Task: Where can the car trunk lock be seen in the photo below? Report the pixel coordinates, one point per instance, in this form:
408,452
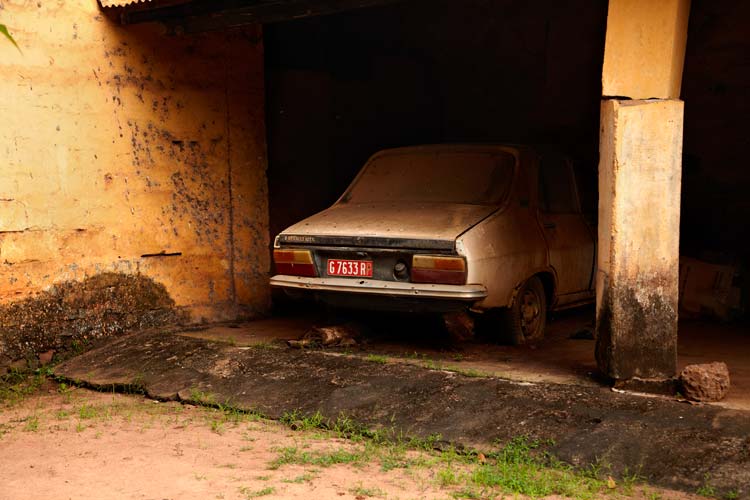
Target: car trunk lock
400,271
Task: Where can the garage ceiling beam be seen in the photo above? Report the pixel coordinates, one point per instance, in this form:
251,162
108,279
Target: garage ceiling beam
202,15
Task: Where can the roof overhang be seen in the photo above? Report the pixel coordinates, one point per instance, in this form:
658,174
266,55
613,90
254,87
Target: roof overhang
191,16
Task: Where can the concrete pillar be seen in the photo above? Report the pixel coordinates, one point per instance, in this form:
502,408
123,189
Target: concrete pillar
640,169
644,49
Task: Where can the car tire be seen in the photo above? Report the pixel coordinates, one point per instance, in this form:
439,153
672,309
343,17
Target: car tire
525,320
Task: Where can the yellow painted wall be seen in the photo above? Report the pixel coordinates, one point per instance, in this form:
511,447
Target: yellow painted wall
118,142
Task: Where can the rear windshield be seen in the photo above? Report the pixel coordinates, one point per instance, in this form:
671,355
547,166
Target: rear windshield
435,177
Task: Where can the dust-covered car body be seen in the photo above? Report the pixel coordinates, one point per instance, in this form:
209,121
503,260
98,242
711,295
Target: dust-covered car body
443,228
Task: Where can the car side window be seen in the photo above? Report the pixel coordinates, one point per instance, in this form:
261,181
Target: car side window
556,190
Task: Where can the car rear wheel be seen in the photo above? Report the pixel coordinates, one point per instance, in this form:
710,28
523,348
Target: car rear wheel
524,321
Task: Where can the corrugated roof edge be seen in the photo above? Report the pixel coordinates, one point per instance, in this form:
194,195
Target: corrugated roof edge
120,3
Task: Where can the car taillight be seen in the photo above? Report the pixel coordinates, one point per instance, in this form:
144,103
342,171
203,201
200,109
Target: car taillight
294,262
438,269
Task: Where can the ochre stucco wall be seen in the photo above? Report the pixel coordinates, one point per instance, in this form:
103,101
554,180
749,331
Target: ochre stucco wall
122,142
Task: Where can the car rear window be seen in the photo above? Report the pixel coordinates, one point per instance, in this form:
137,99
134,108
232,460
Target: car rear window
435,177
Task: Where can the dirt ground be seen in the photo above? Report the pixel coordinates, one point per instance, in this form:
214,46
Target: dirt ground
72,443
671,443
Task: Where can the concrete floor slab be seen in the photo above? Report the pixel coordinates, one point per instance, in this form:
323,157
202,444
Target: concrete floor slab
562,358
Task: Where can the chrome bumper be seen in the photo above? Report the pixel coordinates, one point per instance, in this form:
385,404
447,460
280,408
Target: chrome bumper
468,293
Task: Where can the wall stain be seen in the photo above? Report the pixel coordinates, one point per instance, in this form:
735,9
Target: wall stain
636,333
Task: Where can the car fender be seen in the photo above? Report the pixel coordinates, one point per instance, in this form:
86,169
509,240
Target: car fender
549,281
502,252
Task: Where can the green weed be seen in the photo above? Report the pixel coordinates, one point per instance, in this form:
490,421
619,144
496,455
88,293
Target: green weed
706,490
376,358
86,412
32,424
307,477
360,490
292,455
17,385
248,493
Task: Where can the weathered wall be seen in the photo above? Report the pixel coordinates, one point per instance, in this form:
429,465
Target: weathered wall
120,144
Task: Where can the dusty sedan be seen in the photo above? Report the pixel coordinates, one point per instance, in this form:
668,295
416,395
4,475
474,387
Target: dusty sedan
448,228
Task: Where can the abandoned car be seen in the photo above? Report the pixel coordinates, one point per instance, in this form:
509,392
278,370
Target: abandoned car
447,228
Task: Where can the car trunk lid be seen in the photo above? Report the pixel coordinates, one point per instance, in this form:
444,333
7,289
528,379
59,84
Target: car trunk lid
384,225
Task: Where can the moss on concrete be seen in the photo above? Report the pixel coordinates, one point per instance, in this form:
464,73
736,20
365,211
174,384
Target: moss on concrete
74,315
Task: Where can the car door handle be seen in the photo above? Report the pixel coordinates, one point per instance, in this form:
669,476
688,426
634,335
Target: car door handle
550,225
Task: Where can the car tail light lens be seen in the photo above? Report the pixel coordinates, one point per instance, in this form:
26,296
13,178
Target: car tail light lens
438,269
294,262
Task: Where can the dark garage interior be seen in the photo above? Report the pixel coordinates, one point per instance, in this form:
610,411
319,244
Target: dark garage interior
343,86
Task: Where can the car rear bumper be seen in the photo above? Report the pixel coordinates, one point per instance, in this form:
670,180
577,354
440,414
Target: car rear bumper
383,295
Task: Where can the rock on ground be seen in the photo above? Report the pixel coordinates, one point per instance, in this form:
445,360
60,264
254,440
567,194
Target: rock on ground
705,382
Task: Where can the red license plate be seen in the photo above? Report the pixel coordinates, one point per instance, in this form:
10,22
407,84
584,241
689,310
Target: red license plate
356,268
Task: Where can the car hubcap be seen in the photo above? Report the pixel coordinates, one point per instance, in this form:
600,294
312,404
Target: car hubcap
530,313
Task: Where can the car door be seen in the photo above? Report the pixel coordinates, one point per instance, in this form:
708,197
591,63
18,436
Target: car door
569,238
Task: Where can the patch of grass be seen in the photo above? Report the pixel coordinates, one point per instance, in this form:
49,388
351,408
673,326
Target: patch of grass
86,412
298,422
706,490
431,364
467,492
17,385
307,477
466,372
522,467
248,493
376,358
32,424
360,490
630,479
217,426
448,477
653,495
292,455
201,397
